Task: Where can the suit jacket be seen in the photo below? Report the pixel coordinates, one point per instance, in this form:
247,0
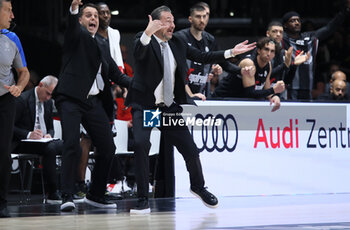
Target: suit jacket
148,69
82,56
25,116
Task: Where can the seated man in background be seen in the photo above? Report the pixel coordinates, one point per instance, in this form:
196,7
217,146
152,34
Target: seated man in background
256,73
34,121
254,81
337,92
337,75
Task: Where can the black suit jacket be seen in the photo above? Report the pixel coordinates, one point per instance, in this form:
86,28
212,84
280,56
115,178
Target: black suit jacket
82,56
148,69
25,116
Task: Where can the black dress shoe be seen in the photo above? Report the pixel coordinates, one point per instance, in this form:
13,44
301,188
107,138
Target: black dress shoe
207,198
99,202
54,198
142,206
67,203
4,212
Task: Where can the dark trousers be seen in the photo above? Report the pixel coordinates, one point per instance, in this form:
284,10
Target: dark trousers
7,119
179,137
48,151
96,123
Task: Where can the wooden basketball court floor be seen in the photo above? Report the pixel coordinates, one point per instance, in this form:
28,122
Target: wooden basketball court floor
307,211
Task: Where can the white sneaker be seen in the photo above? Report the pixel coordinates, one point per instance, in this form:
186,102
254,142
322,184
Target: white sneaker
67,206
115,188
67,203
150,188
126,188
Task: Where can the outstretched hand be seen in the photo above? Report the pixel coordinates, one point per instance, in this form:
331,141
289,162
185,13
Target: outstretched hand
153,26
301,58
243,47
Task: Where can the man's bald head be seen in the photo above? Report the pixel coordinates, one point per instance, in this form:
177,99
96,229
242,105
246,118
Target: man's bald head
338,75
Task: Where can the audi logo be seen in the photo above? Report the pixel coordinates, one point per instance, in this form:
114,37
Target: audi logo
220,138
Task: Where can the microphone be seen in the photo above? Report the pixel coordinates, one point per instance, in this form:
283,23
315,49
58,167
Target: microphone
12,26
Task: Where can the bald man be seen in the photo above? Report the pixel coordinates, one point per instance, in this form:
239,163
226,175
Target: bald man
338,88
340,75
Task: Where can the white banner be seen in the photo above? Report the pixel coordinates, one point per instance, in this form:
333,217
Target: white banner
303,148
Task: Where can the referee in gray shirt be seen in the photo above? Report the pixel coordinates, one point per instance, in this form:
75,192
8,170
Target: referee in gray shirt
11,56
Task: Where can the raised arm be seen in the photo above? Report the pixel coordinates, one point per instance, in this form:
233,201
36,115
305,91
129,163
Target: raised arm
142,40
326,31
75,4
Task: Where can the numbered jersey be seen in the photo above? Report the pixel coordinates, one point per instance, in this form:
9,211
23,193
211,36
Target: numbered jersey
260,75
307,42
198,72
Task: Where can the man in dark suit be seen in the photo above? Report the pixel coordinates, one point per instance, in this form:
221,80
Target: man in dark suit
34,121
146,92
81,94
